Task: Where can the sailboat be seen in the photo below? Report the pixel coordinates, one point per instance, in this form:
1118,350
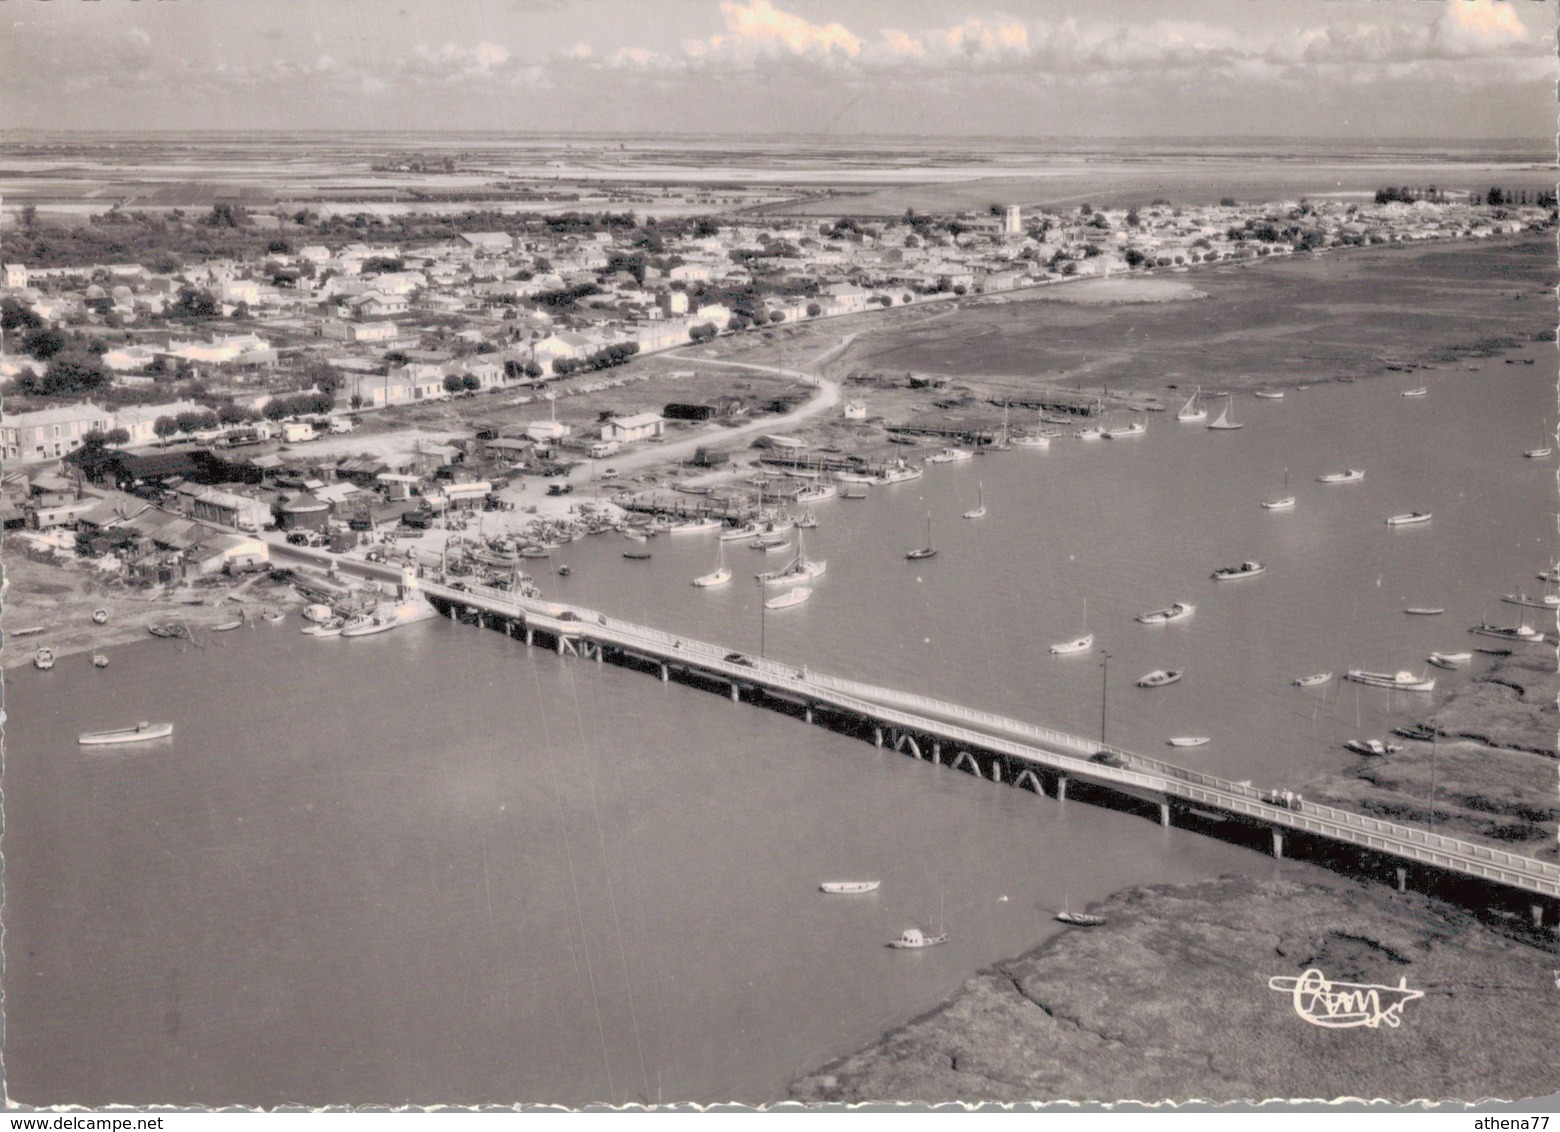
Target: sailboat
1082,644
1191,412
1037,439
1283,502
1223,421
979,512
1540,453
720,575
930,548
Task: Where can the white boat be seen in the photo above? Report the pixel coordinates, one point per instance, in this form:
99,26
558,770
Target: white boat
44,658
1177,612
1090,434
718,576
1189,741
848,887
929,549
900,474
1372,747
1034,440
807,520
1284,502
1244,570
1191,412
913,938
787,600
140,733
856,477
1538,453
1548,601
1410,517
1515,633
950,456
1080,919
1136,428
1159,677
1313,680
1401,681
274,616
695,527
331,628
1420,392
1352,475
1450,659
366,625
317,613
1223,421
99,660
100,617
1425,610
228,626
752,530
1082,644
817,493
770,544
1270,394
1551,575
980,511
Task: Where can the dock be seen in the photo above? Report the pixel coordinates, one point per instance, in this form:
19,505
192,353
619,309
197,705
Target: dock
1032,757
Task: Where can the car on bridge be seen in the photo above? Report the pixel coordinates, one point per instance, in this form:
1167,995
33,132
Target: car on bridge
738,658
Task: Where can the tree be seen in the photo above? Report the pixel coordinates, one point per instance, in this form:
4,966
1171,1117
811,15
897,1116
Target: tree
279,246
777,316
44,343
533,370
356,401
451,383
165,427
224,215
117,436
1135,258
813,310
71,374
1133,220
194,303
470,382
29,217
1495,197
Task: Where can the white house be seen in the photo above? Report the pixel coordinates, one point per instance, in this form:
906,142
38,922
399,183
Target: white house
640,426
48,433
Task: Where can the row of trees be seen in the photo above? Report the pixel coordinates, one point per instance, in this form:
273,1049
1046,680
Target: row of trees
604,358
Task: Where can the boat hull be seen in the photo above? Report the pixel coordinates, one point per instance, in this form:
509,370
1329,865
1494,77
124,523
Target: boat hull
140,734
848,887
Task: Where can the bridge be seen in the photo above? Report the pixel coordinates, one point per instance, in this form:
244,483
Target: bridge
1027,755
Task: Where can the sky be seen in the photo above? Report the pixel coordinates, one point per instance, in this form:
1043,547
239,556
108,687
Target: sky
1022,68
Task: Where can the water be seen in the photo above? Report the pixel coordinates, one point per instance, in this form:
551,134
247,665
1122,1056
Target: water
438,866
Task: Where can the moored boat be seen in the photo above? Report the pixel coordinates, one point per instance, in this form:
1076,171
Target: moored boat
1420,392
1223,421
1189,741
99,660
1313,680
1190,412
1080,919
331,628
718,576
44,658
1136,428
929,549
1349,475
1244,570
1177,612
274,616
950,456
1511,633
1408,518
1538,453
1371,747
140,733
913,938
1283,503
1548,601
100,617
787,600
979,511
1094,433
368,625
1032,440
637,555
1269,394
229,626
695,526
848,887
1425,610
1082,644
1159,677
1403,681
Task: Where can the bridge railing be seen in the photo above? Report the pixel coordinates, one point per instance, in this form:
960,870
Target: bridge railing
874,702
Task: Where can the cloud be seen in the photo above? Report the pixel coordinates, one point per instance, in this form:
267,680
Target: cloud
1478,27
490,55
974,37
758,27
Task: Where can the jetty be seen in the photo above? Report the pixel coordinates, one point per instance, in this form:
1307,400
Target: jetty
1032,757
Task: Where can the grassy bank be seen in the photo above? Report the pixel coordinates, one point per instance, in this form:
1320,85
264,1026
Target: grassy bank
1171,1001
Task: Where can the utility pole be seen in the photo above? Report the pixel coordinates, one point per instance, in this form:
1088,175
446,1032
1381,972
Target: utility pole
762,620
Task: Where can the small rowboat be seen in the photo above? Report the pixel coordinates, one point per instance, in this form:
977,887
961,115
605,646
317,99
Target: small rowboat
1283,504
1410,517
138,734
227,625
1244,570
1189,741
637,555
1313,681
1353,475
1177,612
848,887
1270,394
100,617
1423,611
1158,678
99,660
1080,919
1082,644
1538,453
1450,659
1420,392
274,616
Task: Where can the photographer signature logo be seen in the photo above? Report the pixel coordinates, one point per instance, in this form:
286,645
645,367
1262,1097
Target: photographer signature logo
1342,1006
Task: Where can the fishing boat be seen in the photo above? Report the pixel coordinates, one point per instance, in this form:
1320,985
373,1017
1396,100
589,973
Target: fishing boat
751,530
979,511
331,628
929,549
807,521
787,600
695,527
1548,601
1080,919
849,887
1191,412
716,577
1033,440
853,493
1082,644
1244,570
1159,677
1450,659
1425,610
1420,392
637,555
1551,575
817,493
800,569
848,476
1410,517
1371,747
100,617
770,544
1350,475
1514,633
1269,394
1136,428
1223,421
1313,680
99,660
1401,681
316,612
1177,612
368,625
913,938
1093,433
533,550
44,658
1189,741
951,456
900,474
1284,502
140,733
